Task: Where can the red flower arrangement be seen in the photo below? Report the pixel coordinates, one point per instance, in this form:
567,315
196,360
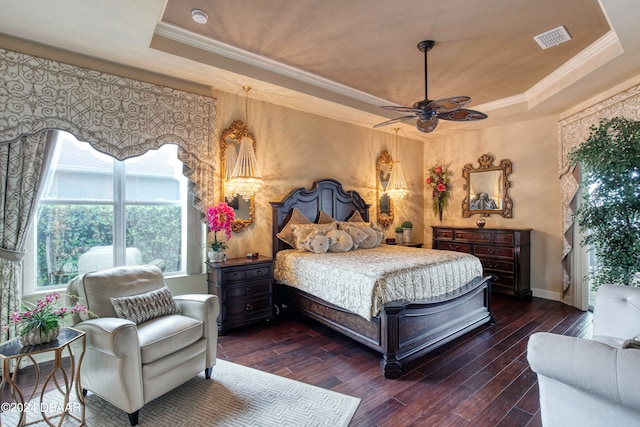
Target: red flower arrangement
220,218
438,179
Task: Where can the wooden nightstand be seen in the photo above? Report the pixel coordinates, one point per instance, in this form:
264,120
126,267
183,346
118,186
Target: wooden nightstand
244,287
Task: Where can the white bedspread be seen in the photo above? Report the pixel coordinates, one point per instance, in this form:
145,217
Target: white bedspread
363,280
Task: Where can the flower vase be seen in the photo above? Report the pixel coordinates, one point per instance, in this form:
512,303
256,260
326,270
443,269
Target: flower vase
36,336
406,234
216,256
399,237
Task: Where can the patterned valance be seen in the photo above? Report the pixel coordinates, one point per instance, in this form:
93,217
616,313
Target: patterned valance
118,116
572,131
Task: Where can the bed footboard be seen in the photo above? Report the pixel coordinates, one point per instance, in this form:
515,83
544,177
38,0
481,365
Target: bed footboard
403,331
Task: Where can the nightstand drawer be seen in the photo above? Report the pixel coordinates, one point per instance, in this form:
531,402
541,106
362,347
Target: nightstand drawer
260,272
496,251
247,307
248,289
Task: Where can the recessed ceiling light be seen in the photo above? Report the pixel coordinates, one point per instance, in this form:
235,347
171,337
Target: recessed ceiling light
552,37
199,16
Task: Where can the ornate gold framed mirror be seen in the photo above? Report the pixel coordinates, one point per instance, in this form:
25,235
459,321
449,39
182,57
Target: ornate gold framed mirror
229,148
487,188
385,203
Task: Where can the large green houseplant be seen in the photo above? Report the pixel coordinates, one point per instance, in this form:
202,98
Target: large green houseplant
609,215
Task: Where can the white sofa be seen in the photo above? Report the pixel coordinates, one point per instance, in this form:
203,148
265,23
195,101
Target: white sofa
592,382
132,360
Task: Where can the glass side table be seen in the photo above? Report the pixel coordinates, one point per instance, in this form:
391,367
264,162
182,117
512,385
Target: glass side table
64,381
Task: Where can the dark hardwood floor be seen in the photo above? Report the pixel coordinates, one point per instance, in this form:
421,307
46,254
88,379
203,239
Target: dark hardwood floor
480,379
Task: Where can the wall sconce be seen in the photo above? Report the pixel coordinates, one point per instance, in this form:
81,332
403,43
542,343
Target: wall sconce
245,179
397,187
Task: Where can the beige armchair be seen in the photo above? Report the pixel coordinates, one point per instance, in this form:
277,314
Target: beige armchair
592,382
144,342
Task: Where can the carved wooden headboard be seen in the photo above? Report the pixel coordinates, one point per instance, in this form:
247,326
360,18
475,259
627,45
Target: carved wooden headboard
324,195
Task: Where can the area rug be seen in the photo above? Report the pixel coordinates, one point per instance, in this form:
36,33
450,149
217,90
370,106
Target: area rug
234,396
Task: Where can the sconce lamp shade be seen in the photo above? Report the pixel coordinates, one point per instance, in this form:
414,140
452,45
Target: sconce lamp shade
245,180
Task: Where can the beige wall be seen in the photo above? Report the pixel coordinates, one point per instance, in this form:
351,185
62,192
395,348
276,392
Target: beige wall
535,190
294,149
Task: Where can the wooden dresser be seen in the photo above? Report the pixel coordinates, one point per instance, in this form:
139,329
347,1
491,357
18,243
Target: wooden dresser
504,253
245,289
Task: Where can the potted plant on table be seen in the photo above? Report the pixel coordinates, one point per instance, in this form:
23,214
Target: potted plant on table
39,323
399,235
220,218
407,229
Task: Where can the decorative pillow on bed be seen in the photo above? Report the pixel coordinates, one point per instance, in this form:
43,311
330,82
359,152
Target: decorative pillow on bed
304,232
355,217
286,234
325,218
374,235
357,235
341,241
142,307
318,244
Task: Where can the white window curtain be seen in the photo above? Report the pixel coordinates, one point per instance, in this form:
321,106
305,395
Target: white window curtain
117,116
572,131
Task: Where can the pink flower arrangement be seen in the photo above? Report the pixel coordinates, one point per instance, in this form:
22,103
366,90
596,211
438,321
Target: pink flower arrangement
44,316
220,218
438,179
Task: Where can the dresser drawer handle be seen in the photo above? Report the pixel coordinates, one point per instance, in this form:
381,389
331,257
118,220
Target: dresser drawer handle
258,272
249,307
454,247
247,291
235,275
494,265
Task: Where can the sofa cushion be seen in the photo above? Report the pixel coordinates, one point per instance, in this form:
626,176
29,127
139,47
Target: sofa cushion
162,336
142,307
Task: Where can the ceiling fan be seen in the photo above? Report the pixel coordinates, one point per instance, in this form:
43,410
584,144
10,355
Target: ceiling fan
429,112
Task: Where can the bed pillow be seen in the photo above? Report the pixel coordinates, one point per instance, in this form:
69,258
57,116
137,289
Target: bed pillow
286,234
142,307
355,217
325,218
374,234
357,235
317,244
341,241
303,232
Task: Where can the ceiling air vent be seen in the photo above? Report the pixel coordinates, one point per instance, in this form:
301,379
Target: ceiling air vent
552,37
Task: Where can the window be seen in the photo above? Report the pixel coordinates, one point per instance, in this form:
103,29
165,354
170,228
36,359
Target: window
96,212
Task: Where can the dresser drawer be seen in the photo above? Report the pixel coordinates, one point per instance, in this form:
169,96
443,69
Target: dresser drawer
497,265
497,251
458,247
504,238
502,280
444,234
247,289
244,308
473,236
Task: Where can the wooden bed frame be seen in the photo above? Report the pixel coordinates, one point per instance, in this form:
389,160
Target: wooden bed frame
404,330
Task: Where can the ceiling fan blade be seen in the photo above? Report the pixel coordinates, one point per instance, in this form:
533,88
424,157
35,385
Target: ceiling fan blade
463,115
427,126
446,105
396,120
402,109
